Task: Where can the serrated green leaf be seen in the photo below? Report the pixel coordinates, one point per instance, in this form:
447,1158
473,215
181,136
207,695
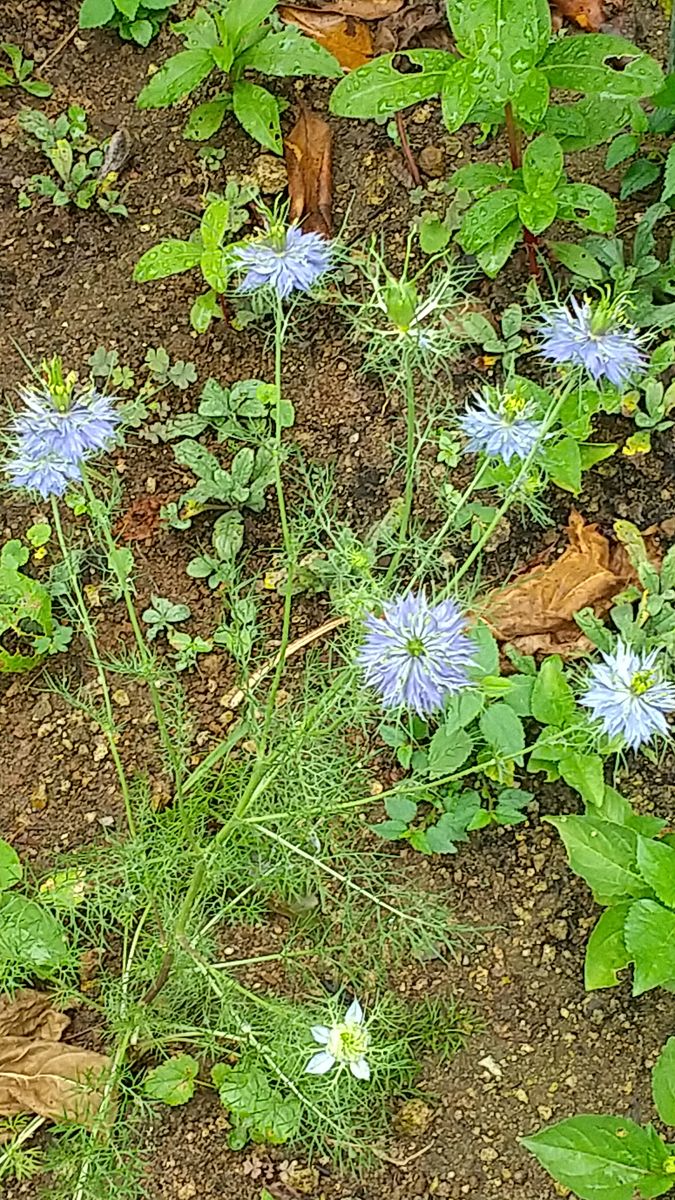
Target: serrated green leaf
640,175
30,937
173,1081
399,808
552,697
656,863
584,773
391,831
448,751
94,13
503,730
606,951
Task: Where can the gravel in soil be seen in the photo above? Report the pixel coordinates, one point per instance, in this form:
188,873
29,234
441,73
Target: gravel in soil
546,1049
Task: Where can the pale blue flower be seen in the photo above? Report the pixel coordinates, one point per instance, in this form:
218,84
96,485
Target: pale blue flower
501,426
75,429
595,338
416,655
629,696
47,474
291,262
346,1044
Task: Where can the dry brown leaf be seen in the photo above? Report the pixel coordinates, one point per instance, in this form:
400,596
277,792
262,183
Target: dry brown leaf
141,520
309,162
369,10
51,1079
536,612
347,38
30,1014
587,14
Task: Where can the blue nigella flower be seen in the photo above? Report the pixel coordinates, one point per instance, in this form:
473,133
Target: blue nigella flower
594,338
416,654
79,428
628,695
47,474
290,262
501,427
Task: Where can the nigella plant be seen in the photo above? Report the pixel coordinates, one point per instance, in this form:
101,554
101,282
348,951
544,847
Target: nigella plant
283,259
59,429
628,694
501,426
595,337
416,654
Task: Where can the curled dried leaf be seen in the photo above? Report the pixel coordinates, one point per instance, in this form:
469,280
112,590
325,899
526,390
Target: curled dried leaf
535,613
309,162
52,1079
347,38
29,1013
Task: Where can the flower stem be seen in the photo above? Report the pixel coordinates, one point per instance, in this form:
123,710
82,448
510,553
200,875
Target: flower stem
108,726
516,155
146,658
434,544
409,392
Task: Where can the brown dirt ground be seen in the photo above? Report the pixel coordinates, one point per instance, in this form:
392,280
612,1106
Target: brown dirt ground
547,1049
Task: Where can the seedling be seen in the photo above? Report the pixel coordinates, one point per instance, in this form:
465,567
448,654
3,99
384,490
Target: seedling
20,73
134,20
78,159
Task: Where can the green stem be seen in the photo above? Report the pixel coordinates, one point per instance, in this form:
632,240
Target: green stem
146,658
436,541
109,726
409,392
508,501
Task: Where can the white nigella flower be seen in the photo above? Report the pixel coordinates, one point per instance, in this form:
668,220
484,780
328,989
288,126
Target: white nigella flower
345,1045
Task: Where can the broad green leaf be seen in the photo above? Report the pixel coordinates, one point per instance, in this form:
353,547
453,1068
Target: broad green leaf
575,199
605,855
199,32
141,31
542,165
603,1158
491,258
591,121
11,871
486,656
479,175
167,258
584,773
228,536
173,1081
289,52
503,730
562,461
207,118
459,95
391,831
537,212
650,939
663,1083
595,452
434,234
128,8
531,100
30,936
378,89
400,808
448,751
582,64
487,218
552,697
95,13
178,77
669,175
37,88
502,43
265,1112
606,951
214,224
257,110
204,310
656,863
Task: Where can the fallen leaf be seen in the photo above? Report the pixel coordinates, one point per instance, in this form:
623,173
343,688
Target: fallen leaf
51,1079
536,612
30,1014
141,520
38,1073
309,161
587,14
369,10
347,38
